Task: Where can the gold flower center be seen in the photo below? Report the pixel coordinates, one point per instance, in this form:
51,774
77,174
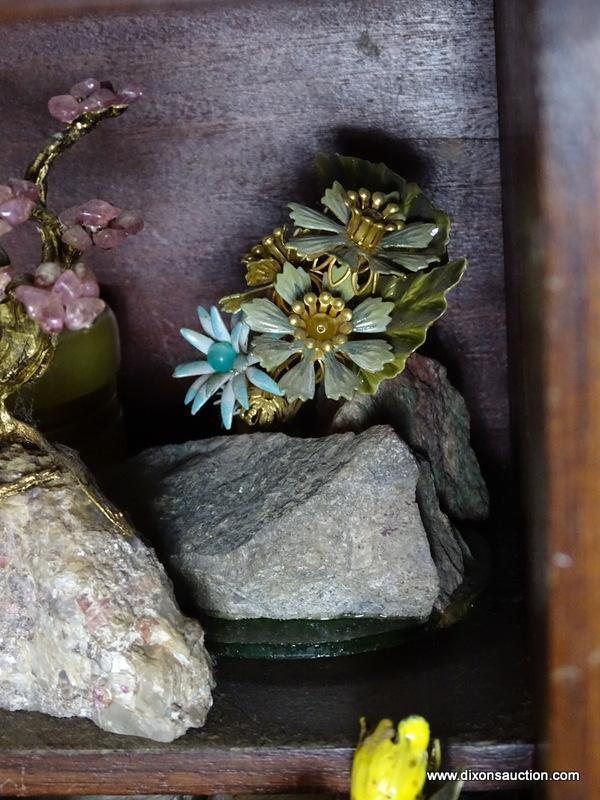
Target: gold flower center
366,233
321,327
371,218
321,323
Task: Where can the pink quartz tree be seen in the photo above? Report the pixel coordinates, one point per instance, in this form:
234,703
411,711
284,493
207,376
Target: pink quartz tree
63,292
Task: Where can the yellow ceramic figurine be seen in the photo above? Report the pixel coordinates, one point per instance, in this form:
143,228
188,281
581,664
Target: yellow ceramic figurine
390,764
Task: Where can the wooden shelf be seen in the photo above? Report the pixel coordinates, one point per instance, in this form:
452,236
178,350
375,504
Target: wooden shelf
288,726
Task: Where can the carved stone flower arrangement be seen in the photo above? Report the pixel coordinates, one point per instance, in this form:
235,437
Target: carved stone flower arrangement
337,298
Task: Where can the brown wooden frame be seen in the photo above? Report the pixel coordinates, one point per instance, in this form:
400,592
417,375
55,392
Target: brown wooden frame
549,74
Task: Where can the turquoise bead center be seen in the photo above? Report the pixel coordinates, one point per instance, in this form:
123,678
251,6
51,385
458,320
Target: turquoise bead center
221,356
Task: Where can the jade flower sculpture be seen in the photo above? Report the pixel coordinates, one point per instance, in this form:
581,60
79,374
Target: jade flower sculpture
363,228
227,368
339,298
319,332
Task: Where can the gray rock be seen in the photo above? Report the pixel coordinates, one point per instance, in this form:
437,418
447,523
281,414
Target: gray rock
88,622
448,548
432,417
265,525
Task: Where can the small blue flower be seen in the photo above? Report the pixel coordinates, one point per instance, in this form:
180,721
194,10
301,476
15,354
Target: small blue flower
227,368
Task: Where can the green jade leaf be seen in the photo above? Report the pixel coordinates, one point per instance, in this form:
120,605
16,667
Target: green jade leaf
419,300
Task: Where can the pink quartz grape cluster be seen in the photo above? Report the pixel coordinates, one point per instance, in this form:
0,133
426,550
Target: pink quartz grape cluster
98,223
17,201
62,298
92,95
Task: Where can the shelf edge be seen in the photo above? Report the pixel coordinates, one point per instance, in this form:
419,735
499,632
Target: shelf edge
214,770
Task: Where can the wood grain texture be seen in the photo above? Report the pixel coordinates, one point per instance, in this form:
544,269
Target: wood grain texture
44,9
292,726
213,771
551,124
240,97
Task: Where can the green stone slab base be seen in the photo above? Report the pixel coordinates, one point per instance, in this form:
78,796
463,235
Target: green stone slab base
304,638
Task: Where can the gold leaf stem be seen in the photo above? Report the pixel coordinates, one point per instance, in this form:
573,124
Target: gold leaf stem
38,170
26,482
50,229
14,431
53,248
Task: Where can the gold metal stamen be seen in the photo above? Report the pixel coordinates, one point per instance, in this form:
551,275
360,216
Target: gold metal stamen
371,217
365,232
377,200
390,210
321,323
365,196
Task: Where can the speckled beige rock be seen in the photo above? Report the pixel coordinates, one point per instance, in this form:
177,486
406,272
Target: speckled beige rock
88,623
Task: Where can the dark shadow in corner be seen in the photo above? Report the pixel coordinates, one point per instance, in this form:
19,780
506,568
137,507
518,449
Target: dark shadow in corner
403,156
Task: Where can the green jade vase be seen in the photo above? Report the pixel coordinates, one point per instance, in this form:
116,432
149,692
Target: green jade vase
75,402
